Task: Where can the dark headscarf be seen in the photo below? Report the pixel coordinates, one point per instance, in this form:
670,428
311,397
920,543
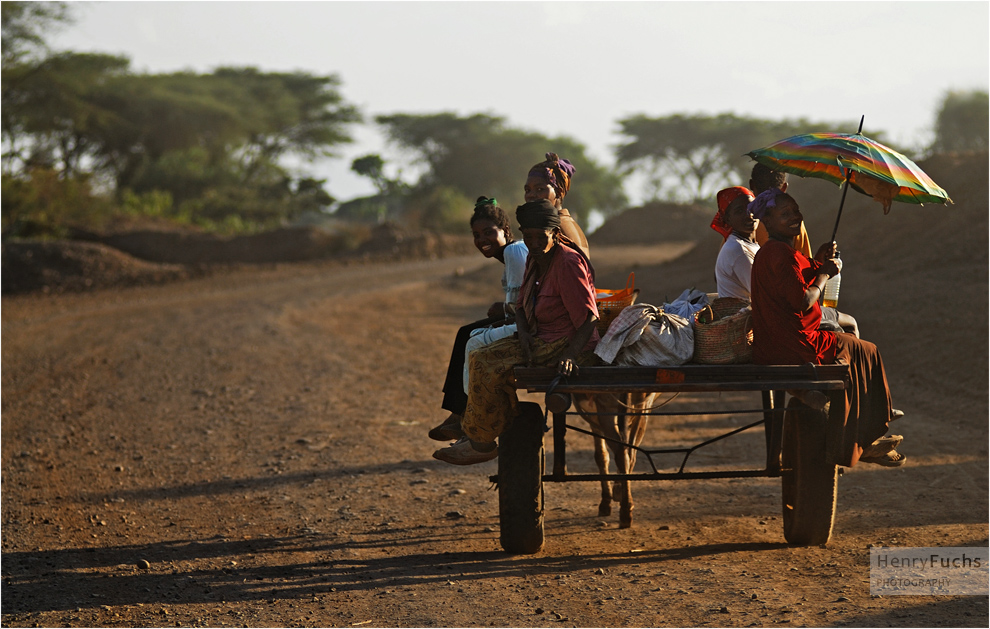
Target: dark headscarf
538,215
541,215
555,171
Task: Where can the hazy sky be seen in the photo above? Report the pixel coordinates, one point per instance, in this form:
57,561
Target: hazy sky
574,68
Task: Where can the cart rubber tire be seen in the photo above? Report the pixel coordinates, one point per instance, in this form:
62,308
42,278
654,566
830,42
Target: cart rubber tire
520,482
808,482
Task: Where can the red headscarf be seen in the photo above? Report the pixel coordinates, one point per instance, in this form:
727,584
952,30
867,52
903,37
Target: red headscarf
724,198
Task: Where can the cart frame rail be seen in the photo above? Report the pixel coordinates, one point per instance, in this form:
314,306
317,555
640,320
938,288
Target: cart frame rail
771,380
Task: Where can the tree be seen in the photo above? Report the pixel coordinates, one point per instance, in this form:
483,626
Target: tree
215,143
961,123
372,167
480,155
23,25
689,158
387,204
289,114
55,109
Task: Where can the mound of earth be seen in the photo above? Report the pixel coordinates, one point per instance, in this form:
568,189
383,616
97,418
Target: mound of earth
290,244
389,241
171,246
74,266
654,222
142,256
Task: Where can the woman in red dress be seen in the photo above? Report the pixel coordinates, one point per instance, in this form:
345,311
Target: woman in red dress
786,287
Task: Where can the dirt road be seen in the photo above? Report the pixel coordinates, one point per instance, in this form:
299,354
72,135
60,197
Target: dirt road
256,441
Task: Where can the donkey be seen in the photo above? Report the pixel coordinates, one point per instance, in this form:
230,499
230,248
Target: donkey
602,412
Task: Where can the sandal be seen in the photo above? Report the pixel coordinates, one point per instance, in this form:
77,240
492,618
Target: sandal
449,430
891,459
881,446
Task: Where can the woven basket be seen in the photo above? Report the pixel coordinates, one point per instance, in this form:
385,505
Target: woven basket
612,302
722,334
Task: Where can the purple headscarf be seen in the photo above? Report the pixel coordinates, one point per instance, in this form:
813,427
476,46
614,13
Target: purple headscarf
767,198
555,171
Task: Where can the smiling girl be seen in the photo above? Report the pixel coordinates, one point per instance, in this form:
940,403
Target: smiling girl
493,238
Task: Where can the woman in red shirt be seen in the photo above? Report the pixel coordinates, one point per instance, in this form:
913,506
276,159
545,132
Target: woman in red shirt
786,287
555,318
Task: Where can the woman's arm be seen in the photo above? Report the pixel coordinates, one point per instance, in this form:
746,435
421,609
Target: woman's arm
814,291
578,341
524,335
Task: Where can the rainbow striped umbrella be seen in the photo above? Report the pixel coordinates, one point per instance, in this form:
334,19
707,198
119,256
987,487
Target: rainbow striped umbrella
854,160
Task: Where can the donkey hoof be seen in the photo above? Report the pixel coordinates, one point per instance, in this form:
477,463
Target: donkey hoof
605,509
625,518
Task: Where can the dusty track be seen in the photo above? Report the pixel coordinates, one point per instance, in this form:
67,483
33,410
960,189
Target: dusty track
258,438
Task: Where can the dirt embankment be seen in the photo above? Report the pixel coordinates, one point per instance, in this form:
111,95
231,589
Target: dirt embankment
144,256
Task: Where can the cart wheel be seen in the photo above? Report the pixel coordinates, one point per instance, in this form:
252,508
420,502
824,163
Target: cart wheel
520,482
808,481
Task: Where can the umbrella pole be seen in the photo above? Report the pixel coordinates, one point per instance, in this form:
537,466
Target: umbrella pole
845,189
845,186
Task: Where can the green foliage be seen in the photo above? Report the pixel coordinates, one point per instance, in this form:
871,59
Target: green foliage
479,155
373,209
372,167
214,143
154,204
689,158
55,110
288,113
24,25
962,122
440,208
42,202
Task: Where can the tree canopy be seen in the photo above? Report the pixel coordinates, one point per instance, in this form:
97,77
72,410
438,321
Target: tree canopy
962,122
24,24
691,157
215,142
480,154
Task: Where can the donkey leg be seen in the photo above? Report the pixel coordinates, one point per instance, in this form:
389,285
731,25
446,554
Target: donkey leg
638,403
588,406
601,458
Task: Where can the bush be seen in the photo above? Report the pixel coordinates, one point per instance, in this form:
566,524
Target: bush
43,204
441,209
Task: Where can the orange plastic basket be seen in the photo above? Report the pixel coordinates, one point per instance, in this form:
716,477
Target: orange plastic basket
612,302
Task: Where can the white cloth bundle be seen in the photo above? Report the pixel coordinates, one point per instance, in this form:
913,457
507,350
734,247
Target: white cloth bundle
644,335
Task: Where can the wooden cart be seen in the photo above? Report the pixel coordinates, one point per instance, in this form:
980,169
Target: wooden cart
803,445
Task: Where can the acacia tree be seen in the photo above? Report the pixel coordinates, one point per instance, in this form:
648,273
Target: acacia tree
690,157
55,110
23,25
961,123
214,142
480,155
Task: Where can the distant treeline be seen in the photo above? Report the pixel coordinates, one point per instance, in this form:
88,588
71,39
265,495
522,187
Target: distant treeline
87,141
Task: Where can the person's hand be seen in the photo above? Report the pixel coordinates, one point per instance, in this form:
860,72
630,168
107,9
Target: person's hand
826,252
832,266
566,366
497,310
